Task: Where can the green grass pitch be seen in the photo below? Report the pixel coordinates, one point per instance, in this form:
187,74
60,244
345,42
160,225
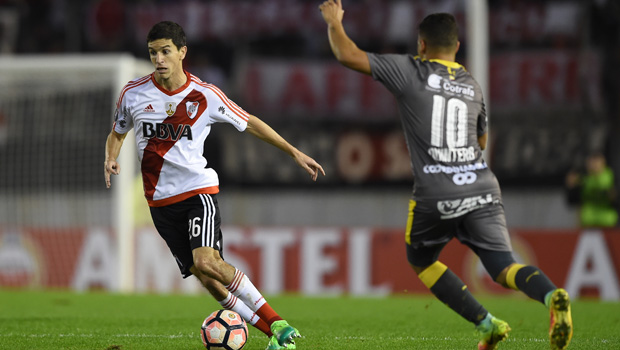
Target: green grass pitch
67,320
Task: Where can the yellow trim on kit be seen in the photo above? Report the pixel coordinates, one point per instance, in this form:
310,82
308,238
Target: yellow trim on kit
412,205
511,274
431,274
449,64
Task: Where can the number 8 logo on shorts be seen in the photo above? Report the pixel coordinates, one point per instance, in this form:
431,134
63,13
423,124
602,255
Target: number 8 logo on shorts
466,178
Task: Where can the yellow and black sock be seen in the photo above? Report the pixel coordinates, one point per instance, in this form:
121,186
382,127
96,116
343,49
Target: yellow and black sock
449,288
530,280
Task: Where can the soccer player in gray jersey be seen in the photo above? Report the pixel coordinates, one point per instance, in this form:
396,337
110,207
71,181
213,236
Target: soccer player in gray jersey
455,193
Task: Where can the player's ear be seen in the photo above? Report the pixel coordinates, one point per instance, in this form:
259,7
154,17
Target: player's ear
458,45
183,51
421,47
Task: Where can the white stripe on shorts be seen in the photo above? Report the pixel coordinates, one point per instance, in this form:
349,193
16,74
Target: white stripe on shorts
208,229
204,218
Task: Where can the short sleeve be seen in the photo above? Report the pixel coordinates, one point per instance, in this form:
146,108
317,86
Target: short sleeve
223,110
390,70
123,120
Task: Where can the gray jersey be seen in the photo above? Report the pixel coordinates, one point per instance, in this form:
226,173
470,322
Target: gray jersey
443,114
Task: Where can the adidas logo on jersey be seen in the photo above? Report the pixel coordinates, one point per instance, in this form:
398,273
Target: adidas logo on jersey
149,109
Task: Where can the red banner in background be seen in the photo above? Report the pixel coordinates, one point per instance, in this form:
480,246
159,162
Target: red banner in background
309,260
558,80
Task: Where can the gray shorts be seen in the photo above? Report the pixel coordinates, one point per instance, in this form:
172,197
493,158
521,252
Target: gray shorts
478,222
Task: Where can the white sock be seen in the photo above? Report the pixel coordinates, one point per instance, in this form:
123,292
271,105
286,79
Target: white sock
231,303
244,289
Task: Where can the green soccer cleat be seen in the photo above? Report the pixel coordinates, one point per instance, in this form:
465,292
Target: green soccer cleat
561,323
284,333
491,331
274,345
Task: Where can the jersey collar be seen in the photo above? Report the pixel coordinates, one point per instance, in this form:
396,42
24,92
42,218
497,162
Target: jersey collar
171,93
450,64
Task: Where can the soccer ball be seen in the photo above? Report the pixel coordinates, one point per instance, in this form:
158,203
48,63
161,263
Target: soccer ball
224,329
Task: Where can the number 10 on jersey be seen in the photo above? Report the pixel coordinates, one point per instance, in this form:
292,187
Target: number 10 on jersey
449,121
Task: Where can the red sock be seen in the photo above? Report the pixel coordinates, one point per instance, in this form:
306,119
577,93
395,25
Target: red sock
267,314
263,327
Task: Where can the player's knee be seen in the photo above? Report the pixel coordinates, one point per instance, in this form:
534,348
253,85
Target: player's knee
208,266
418,269
497,264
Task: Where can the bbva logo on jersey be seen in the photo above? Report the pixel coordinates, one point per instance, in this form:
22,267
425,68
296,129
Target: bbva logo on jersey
166,131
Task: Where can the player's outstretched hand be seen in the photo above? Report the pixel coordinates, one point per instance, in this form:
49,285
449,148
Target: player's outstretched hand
310,165
332,11
110,167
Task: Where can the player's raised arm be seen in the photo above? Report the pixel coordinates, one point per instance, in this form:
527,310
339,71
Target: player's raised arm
112,150
343,47
264,132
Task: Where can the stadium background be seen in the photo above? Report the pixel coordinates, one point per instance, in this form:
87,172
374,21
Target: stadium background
553,97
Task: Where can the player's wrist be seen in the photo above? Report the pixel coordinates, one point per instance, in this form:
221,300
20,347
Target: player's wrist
334,25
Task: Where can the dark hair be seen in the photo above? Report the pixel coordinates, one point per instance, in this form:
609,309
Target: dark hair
168,30
439,30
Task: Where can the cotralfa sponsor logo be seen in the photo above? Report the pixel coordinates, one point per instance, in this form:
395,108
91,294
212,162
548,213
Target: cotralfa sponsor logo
437,82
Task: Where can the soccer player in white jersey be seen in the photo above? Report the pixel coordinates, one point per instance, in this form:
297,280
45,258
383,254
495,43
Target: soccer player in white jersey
172,112
455,194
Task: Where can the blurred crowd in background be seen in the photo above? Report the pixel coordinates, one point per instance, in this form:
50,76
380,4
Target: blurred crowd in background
554,86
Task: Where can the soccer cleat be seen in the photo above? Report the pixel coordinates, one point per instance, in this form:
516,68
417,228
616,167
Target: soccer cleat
561,323
492,330
274,345
284,333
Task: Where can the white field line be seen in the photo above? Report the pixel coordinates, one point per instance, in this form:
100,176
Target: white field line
92,335
194,335
256,336
425,339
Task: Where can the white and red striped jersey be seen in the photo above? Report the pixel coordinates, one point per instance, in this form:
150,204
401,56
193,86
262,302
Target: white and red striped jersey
171,128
